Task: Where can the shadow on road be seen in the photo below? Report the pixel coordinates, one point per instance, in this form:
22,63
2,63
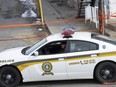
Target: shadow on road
58,83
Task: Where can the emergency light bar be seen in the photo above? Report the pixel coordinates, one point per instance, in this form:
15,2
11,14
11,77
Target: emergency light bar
68,31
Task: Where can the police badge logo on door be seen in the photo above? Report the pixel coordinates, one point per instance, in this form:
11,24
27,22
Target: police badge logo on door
47,68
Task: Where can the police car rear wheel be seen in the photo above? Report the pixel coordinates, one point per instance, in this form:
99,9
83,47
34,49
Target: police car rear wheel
9,77
106,72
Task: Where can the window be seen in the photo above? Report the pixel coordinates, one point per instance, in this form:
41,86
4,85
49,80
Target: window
53,48
104,38
32,48
77,46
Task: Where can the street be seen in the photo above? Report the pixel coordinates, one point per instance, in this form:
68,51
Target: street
11,37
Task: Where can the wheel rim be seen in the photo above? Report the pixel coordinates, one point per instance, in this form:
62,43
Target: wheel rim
8,77
108,73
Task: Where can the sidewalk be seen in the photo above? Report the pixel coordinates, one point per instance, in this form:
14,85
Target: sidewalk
112,24
111,28
53,12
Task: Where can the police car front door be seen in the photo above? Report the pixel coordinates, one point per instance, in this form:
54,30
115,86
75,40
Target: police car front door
47,67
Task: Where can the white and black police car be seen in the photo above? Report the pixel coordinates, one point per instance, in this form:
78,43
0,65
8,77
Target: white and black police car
63,56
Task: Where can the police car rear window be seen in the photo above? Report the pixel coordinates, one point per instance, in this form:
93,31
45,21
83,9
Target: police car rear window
104,38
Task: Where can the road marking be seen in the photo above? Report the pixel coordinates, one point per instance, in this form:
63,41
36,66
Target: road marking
27,34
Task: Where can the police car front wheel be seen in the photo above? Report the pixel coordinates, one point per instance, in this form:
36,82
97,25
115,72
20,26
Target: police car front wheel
106,72
9,77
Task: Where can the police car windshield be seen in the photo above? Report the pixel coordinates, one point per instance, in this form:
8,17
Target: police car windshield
34,47
104,38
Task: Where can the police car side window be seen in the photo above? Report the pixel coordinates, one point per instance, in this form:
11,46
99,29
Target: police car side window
78,46
53,48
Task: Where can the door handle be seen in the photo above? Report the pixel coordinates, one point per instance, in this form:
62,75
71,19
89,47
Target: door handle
61,59
94,55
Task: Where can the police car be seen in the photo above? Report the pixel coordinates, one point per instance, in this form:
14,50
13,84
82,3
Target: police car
63,56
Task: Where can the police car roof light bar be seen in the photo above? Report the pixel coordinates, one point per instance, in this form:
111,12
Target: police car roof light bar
68,31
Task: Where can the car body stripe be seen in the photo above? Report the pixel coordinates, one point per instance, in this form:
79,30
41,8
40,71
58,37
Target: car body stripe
102,55
22,65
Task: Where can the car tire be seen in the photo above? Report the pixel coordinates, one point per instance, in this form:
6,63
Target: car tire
9,77
106,72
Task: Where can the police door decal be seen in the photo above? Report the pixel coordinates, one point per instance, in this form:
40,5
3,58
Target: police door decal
47,68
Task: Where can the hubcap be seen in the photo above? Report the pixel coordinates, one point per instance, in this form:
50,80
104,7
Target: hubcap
107,73
8,77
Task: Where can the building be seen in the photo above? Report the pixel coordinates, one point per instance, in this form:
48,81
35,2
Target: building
92,13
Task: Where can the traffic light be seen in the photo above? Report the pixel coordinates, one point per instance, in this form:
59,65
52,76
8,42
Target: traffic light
92,3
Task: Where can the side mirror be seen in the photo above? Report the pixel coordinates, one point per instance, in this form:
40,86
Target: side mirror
36,53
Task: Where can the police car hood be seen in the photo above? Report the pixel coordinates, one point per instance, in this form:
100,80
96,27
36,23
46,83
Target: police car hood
12,53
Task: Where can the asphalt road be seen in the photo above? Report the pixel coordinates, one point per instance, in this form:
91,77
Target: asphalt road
69,83
11,37
17,32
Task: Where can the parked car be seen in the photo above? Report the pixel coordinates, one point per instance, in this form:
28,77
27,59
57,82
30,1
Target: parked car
82,55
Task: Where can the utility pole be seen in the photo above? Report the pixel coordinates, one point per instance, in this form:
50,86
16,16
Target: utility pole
41,11
101,13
